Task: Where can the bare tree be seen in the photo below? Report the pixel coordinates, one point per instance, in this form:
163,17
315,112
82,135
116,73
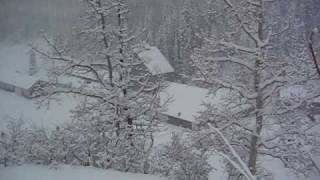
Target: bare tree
244,62
119,110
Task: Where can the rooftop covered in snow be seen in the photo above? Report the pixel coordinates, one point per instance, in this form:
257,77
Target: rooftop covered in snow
155,61
184,101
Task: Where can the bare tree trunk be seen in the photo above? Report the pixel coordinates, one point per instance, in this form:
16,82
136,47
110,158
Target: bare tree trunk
106,45
314,58
255,136
258,101
121,24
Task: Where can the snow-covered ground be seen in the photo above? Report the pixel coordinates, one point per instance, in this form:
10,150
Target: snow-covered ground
187,102
15,106
281,173
30,172
14,69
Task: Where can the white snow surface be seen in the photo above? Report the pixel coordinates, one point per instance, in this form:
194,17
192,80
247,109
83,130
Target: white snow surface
155,61
183,101
31,172
15,106
279,172
186,102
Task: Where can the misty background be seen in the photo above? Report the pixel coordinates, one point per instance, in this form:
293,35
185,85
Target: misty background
166,21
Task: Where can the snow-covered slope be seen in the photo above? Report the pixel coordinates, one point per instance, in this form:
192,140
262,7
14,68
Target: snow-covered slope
279,172
15,106
28,172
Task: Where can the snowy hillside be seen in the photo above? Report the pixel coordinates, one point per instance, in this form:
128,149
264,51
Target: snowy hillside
15,106
30,172
180,89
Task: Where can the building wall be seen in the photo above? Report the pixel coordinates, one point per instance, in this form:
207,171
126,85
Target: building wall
14,89
179,122
22,92
7,87
26,93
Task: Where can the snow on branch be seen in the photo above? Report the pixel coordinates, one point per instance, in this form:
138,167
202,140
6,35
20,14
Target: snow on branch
240,166
232,60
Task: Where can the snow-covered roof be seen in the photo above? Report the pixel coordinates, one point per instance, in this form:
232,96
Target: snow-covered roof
155,61
185,101
14,66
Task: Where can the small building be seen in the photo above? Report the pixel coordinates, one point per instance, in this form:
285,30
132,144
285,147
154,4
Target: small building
183,103
155,63
22,71
21,85
15,69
